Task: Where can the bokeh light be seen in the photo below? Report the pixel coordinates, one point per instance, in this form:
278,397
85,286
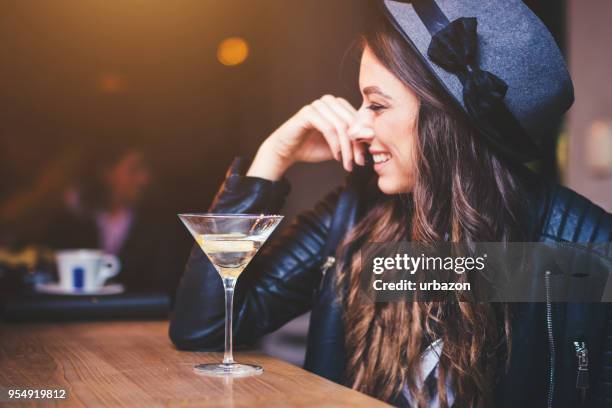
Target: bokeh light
232,51
111,83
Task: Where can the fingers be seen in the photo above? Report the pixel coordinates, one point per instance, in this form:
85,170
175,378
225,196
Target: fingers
347,105
332,117
326,128
350,113
339,118
359,132
359,152
341,107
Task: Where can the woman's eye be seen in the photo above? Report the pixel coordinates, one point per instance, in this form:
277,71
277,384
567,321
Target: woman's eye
375,107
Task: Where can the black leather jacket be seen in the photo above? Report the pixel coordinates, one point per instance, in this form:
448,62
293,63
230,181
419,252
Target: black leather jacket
285,280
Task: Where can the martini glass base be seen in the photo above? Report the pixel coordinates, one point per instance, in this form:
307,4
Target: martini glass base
228,370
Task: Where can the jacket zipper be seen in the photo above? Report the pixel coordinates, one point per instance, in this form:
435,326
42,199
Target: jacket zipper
551,341
329,261
582,376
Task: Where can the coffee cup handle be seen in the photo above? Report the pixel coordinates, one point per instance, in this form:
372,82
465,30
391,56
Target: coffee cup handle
110,266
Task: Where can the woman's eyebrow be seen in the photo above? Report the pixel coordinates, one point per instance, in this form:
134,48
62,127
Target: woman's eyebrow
368,90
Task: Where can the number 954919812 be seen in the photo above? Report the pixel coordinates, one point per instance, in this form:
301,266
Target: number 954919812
36,393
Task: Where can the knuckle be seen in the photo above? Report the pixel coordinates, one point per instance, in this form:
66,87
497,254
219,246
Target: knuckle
328,129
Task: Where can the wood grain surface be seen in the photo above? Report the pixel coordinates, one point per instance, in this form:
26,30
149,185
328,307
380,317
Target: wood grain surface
132,364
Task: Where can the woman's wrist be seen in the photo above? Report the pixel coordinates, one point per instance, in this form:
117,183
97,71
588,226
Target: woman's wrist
267,164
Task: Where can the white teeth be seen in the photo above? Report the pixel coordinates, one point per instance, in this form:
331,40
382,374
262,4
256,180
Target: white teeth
381,157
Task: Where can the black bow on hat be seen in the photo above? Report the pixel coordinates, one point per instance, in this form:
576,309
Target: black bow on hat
455,48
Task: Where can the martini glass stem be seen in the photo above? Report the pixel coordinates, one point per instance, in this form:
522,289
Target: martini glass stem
229,285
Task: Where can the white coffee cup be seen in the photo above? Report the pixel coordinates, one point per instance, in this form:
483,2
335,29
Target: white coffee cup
85,270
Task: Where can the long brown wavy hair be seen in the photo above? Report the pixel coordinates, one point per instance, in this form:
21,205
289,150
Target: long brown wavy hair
463,189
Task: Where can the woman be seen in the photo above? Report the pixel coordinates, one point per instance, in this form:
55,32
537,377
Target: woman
420,170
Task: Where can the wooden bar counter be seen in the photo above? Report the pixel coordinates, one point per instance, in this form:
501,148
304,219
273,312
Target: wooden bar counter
133,364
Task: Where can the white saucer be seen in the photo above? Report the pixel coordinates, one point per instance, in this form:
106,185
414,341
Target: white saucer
54,288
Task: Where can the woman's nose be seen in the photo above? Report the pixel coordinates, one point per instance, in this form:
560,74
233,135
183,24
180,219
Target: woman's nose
362,129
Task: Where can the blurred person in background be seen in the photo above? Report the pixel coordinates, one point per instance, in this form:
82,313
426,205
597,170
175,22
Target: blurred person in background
106,208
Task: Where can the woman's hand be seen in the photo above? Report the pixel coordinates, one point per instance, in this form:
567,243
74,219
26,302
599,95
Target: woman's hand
317,132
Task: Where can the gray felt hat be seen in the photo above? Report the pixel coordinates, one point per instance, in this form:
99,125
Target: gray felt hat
497,60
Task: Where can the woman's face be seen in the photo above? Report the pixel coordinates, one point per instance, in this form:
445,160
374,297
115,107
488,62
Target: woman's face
387,123
128,178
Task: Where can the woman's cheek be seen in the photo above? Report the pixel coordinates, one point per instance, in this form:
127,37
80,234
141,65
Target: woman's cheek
405,179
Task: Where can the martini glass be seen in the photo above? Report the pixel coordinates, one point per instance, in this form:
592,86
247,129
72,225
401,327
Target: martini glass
230,241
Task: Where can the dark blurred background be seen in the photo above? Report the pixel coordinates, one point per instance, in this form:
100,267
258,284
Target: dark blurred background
161,95
80,76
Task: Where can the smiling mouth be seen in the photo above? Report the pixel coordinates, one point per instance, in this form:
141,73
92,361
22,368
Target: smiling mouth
379,158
